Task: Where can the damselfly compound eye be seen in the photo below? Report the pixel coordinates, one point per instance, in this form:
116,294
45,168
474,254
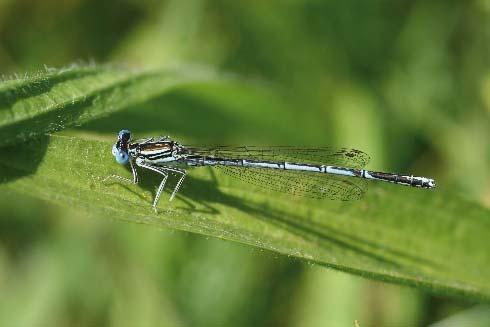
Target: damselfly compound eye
124,135
121,157
114,150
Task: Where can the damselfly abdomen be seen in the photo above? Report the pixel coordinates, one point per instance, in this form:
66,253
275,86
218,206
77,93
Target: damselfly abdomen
319,172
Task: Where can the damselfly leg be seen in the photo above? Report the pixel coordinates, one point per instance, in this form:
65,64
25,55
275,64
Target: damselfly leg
163,170
125,179
179,183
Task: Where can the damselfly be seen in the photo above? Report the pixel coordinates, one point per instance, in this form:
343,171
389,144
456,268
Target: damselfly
320,172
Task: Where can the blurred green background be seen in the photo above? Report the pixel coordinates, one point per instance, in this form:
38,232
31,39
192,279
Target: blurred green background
406,81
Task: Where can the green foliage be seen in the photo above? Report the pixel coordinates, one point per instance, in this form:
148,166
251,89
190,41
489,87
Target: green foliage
58,99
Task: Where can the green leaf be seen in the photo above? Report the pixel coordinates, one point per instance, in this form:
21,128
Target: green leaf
56,99
433,240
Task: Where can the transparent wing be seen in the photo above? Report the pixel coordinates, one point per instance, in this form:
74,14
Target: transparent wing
315,185
309,184
350,158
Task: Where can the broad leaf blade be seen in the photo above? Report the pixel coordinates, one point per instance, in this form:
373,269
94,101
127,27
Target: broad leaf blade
57,99
433,240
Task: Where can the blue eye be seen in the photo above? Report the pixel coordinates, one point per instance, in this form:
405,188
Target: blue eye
121,157
124,135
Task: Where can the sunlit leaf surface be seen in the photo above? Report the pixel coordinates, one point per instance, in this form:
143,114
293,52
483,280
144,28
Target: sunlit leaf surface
53,100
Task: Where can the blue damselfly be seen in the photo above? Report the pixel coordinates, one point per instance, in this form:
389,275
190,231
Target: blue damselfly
320,172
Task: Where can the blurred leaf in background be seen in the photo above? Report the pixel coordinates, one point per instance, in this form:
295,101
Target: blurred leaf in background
406,81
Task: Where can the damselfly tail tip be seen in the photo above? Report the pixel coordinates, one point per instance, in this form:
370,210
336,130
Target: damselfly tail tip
431,183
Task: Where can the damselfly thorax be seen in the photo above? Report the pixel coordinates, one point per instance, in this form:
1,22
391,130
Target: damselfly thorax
159,151
320,172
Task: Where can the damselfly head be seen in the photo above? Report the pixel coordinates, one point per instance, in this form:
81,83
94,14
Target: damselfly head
120,148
